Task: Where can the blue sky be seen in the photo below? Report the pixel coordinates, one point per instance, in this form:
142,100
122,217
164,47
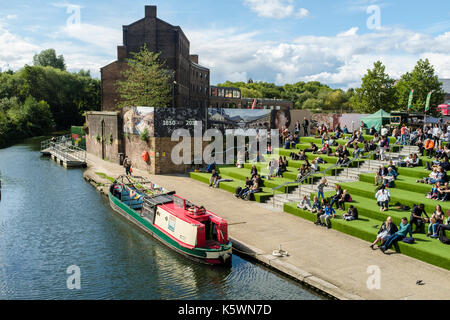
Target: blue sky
280,41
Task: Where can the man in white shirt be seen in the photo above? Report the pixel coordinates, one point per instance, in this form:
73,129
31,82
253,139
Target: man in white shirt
384,132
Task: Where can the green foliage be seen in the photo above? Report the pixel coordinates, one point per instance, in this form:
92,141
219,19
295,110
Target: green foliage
377,91
144,136
422,80
147,82
48,58
20,120
311,95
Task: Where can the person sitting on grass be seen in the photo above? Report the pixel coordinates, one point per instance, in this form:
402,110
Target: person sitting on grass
317,207
302,172
272,168
437,218
383,197
255,188
313,148
343,161
214,178
337,196
434,193
328,214
339,151
325,150
445,226
298,155
405,161
352,214
387,229
382,171
314,166
343,199
390,177
241,191
253,171
429,148
444,192
417,219
404,230
305,204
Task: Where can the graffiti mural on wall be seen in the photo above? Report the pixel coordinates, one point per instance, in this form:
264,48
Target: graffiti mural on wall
137,119
224,118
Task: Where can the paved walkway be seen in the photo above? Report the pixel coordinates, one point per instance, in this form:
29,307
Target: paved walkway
332,261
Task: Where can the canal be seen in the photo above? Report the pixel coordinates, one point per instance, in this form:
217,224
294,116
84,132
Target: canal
50,219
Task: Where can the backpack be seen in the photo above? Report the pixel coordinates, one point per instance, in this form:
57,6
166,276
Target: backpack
408,240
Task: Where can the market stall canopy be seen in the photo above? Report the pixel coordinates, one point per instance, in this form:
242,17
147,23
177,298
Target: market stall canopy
377,119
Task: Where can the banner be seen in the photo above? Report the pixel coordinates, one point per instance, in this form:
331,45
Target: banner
411,95
427,106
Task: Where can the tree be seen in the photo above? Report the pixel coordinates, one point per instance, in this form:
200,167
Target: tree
147,82
48,58
422,80
377,91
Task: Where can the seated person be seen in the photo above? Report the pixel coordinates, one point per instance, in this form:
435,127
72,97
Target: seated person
390,177
445,226
241,191
429,147
403,231
339,151
417,219
313,148
372,131
387,229
405,161
314,166
214,178
444,192
380,174
392,165
337,196
328,214
302,172
343,161
434,193
414,161
253,171
352,214
345,129
383,197
305,204
344,198
437,218
325,150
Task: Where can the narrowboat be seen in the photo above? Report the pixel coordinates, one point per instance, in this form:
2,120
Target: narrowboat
188,229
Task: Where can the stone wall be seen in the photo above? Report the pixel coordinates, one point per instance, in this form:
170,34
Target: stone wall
104,135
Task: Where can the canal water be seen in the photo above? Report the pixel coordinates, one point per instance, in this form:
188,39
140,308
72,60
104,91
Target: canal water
50,219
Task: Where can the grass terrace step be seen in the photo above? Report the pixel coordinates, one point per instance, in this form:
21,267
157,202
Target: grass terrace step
426,249
408,198
231,186
402,182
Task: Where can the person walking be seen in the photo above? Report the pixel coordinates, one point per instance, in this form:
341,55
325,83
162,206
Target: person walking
305,127
127,166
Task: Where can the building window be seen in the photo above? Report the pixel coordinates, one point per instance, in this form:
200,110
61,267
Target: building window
229,94
221,92
236,94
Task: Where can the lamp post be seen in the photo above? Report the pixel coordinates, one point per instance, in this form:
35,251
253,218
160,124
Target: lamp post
174,83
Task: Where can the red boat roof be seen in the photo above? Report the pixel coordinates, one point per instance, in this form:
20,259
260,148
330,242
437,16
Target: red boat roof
184,214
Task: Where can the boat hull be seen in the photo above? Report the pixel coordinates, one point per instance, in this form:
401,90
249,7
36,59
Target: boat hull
221,256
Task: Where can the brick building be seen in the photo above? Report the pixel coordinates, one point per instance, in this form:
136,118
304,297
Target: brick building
191,80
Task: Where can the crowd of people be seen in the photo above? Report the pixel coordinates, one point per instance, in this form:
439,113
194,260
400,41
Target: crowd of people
430,141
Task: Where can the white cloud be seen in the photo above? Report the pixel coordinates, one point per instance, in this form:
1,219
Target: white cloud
277,9
11,16
302,13
339,60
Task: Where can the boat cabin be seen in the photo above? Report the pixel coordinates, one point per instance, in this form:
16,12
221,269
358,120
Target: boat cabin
190,225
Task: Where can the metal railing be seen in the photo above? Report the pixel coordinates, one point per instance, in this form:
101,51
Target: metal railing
324,172
63,148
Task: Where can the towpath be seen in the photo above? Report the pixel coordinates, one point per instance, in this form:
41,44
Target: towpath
334,262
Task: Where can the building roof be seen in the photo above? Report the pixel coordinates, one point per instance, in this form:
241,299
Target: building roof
445,85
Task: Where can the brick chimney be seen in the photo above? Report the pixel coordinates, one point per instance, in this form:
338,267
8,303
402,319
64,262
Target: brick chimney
121,53
150,11
194,58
